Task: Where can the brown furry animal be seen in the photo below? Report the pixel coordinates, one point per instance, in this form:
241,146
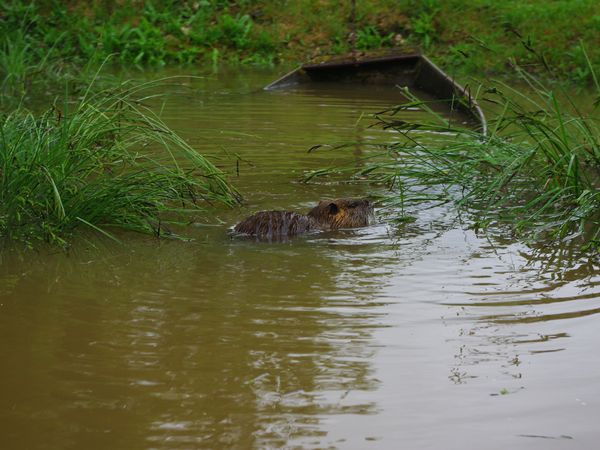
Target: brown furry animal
327,215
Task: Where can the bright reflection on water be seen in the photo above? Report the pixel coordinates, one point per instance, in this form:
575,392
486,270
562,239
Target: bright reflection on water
424,335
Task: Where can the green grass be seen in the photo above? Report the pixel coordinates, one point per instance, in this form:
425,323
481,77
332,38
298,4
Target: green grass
369,38
104,163
465,37
537,172
481,36
151,33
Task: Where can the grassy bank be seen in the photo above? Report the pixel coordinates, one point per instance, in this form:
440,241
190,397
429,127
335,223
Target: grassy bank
104,163
467,38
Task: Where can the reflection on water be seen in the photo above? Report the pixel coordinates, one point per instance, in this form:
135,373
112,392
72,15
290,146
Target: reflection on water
423,335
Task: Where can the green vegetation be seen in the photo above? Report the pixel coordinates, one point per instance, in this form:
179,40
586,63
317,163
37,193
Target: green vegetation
89,164
538,170
467,38
105,162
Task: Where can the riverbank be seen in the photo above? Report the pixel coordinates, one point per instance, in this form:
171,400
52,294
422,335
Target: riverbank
466,38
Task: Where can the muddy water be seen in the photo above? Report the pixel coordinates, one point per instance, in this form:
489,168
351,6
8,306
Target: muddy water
417,336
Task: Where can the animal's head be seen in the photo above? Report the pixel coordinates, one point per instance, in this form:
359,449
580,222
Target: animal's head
343,213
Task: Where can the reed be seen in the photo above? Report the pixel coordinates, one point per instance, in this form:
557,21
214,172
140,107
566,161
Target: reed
105,162
538,170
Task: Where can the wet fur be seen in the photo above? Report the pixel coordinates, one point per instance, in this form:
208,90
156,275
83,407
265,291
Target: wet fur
274,223
327,215
342,213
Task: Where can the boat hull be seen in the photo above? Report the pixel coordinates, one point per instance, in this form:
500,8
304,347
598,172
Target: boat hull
413,71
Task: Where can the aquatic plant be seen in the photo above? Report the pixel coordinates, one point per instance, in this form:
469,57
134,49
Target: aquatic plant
105,162
537,171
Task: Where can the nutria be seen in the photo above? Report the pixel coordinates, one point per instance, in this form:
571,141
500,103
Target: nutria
327,215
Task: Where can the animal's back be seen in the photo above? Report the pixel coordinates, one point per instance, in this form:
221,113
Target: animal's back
269,224
327,215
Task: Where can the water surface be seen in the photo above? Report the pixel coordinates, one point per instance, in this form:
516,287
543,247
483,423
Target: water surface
424,335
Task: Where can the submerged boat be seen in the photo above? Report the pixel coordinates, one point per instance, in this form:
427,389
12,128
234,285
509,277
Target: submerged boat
397,70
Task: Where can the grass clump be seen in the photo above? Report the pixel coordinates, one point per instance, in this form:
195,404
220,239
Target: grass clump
538,170
106,162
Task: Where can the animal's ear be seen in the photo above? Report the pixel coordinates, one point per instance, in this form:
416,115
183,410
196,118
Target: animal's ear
333,208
